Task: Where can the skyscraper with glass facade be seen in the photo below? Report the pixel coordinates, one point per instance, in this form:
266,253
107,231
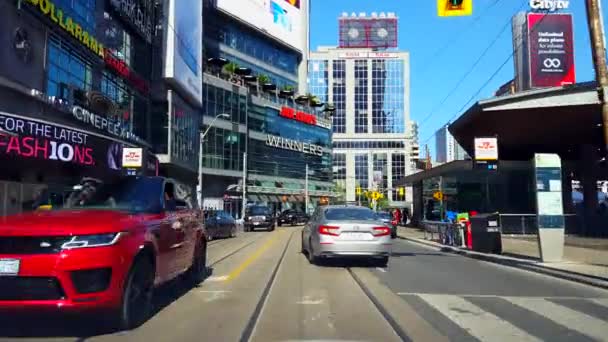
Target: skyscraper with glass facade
372,138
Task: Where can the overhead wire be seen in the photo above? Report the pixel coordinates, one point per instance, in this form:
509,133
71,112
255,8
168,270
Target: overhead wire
482,87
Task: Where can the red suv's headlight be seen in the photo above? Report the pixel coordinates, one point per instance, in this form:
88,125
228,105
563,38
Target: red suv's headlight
97,240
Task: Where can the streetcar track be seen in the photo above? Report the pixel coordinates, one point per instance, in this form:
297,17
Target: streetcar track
235,251
247,333
385,314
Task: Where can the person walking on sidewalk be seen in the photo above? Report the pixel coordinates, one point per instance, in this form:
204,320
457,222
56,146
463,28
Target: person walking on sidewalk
397,216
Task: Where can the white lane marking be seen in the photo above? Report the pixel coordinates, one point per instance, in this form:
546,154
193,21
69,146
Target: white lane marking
565,316
217,278
600,301
477,322
507,297
311,302
383,270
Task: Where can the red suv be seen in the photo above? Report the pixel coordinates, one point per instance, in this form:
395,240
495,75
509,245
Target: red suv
105,249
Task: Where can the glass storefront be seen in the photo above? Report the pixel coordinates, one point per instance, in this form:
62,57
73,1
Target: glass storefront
282,162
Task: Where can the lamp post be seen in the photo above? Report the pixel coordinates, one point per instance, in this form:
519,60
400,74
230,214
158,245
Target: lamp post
199,190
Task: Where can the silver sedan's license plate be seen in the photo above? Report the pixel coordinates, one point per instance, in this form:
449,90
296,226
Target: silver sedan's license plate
356,236
9,267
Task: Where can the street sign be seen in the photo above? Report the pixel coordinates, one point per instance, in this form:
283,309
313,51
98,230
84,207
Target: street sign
454,8
438,195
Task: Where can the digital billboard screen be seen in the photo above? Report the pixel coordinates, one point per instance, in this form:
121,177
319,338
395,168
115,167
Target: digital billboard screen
183,48
281,19
551,49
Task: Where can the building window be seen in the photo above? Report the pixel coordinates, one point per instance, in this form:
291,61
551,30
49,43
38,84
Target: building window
318,79
221,101
66,67
380,166
81,12
367,145
361,171
398,170
388,96
339,89
339,168
223,149
361,96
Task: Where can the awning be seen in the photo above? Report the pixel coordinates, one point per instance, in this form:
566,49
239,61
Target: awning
253,198
554,120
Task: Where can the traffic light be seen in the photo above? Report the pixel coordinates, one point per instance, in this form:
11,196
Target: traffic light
454,8
358,190
401,191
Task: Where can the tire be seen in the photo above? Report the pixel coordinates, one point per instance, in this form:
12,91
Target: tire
311,256
136,302
198,270
233,232
382,261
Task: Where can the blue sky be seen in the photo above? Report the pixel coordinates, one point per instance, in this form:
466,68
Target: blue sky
443,49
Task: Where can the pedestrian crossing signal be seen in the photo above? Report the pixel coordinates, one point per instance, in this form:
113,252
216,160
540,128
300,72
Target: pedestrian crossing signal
454,8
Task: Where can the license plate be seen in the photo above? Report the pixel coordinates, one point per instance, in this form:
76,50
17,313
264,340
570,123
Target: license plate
356,236
9,267
256,223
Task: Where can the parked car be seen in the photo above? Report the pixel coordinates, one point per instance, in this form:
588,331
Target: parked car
106,249
258,216
346,231
220,224
389,221
293,217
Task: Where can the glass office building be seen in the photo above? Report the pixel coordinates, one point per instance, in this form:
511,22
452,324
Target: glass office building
373,142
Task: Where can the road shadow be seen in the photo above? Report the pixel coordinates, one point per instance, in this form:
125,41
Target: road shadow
81,326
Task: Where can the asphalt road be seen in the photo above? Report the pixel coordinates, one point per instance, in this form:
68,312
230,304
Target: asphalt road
261,288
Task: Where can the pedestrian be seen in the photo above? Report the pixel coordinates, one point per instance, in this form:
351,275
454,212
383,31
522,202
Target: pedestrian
397,216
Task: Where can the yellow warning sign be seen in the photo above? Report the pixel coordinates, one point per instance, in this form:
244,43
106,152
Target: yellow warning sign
454,8
438,195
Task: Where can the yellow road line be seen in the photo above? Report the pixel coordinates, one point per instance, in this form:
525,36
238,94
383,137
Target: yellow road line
235,273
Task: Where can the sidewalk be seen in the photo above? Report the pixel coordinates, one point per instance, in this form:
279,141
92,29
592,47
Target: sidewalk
583,264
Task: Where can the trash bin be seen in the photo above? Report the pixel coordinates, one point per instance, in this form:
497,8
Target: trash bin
485,233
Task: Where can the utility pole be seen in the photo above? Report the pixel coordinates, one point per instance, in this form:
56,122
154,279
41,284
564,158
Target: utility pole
244,186
306,190
598,49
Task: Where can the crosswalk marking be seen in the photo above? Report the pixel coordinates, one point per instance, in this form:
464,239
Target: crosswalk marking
565,316
601,301
477,322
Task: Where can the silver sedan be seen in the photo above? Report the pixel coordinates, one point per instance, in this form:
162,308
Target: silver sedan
346,231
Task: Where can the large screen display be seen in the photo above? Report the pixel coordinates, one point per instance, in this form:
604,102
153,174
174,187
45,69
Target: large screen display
183,49
551,50
281,19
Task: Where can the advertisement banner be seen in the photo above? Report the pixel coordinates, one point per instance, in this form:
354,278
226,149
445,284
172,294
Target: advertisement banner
281,19
183,48
26,138
551,49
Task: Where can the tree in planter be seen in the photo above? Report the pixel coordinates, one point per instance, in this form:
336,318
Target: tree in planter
230,69
263,79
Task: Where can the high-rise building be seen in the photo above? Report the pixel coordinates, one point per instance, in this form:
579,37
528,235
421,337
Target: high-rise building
369,87
446,147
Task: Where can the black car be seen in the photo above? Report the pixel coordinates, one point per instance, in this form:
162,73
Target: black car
293,217
258,216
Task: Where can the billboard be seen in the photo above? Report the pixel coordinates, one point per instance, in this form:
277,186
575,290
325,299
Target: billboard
486,148
551,50
281,19
183,48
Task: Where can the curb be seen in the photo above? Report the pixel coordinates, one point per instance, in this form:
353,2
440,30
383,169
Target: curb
512,262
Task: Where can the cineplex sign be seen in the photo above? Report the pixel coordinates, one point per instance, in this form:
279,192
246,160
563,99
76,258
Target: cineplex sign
66,23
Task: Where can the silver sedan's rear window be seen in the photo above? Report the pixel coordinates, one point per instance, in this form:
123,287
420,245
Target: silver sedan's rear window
336,214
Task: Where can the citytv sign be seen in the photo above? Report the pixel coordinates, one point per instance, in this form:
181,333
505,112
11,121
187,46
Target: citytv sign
549,5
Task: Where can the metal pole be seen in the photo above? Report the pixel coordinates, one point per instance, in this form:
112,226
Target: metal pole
306,190
199,188
598,49
244,201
